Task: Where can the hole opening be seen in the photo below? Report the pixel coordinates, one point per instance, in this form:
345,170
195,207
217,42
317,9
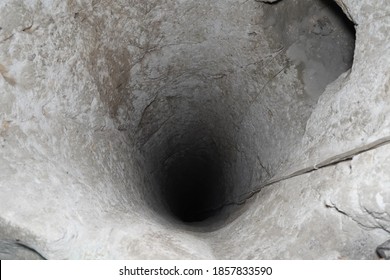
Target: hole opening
208,139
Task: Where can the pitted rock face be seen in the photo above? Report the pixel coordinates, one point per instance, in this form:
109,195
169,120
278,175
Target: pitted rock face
185,126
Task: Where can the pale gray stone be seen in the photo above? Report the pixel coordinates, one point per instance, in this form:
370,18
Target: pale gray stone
105,105
383,250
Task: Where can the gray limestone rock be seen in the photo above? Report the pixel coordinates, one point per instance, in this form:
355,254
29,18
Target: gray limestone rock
172,129
383,250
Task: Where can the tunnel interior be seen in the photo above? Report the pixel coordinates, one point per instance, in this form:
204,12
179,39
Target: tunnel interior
215,131
192,181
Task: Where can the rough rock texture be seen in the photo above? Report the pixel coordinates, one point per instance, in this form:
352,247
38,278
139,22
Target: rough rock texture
101,100
312,218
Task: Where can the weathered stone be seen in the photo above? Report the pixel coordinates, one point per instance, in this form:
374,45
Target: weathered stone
107,107
383,250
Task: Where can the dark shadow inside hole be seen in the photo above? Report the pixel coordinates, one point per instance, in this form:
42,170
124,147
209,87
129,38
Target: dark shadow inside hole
192,185
338,12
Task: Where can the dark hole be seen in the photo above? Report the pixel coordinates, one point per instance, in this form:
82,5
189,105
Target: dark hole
192,183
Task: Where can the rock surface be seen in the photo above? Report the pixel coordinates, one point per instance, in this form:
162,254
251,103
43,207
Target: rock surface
98,99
